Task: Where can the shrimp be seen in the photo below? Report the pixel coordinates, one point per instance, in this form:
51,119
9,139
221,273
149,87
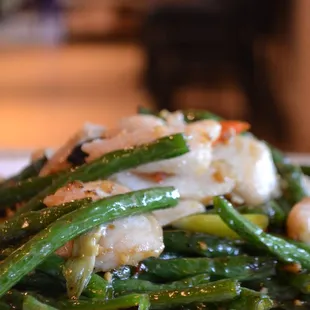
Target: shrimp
78,190
298,221
200,136
199,185
120,241
128,241
59,161
183,208
250,164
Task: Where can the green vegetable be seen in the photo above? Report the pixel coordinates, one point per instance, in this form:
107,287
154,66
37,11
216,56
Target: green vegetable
122,273
108,164
283,250
121,287
200,306
236,267
200,244
123,302
294,305
145,111
213,224
4,306
301,281
31,303
251,300
14,299
218,291
272,209
276,288
144,303
292,177
8,251
193,115
29,223
53,266
299,244
305,170
190,115
41,282
24,190
79,267
32,170
27,257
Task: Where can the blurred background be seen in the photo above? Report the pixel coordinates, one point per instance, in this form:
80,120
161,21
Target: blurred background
64,62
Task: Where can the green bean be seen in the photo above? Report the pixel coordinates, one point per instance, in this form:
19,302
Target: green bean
272,209
201,306
193,115
305,170
79,267
14,299
53,266
301,281
283,250
123,302
292,177
169,255
97,287
146,111
24,190
200,244
8,251
276,287
32,170
41,282
284,205
31,303
4,306
122,273
237,267
218,291
27,257
299,244
293,305
251,300
29,223
108,164
144,303
190,115
141,286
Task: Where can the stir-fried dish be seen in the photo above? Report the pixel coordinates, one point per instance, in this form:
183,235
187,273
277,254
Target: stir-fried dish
178,210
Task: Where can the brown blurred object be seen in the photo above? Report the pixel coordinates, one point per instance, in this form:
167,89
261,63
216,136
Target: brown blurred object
297,84
47,94
218,47
97,20
48,87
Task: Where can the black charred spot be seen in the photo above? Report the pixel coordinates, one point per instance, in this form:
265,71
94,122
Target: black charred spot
77,156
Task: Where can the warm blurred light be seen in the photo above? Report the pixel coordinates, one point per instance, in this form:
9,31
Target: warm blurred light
47,94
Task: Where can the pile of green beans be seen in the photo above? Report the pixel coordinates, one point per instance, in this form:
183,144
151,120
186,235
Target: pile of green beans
195,271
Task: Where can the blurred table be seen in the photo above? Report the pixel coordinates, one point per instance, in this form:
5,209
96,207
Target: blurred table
48,93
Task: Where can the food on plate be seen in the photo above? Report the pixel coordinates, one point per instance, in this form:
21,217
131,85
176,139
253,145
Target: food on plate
181,210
